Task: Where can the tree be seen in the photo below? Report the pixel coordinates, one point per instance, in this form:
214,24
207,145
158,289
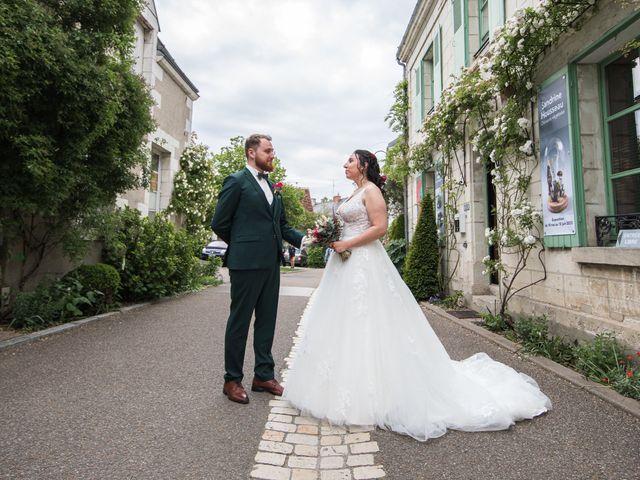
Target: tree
423,260
232,158
194,188
73,117
297,216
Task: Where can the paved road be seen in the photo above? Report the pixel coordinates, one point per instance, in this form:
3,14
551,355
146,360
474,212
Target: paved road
139,396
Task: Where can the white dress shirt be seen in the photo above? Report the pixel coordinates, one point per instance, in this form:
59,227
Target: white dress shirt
263,184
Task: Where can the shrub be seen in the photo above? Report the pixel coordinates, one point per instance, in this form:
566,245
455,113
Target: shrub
209,271
315,257
453,301
396,229
494,322
603,360
533,333
397,251
52,303
101,278
423,259
154,258
598,357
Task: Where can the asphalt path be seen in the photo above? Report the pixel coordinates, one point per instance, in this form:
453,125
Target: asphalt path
138,395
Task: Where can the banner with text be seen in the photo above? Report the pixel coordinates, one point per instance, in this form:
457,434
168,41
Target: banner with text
556,159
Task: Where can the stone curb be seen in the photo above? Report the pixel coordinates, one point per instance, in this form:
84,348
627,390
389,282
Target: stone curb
22,339
629,405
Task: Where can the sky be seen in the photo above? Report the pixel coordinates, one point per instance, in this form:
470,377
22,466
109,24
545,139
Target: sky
316,75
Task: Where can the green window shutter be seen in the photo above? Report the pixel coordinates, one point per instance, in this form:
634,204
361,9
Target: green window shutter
496,15
437,67
460,34
421,80
416,104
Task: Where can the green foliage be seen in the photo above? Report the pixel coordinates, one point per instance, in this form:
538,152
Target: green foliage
193,189
396,165
209,271
396,229
494,322
598,357
603,360
297,216
73,117
451,302
232,158
154,258
52,303
315,257
101,278
533,333
397,251
423,259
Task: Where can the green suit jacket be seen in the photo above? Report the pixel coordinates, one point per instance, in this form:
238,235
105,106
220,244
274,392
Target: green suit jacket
252,228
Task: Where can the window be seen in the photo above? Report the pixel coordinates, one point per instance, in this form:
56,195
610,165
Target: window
154,183
427,87
622,132
460,34
483,21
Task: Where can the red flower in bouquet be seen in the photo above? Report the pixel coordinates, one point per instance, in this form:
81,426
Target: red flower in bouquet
277,187
326,231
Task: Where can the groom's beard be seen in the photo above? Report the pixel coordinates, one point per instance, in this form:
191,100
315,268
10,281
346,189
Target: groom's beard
264,165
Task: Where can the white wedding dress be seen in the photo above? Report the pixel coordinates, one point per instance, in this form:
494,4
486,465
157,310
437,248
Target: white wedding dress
368,356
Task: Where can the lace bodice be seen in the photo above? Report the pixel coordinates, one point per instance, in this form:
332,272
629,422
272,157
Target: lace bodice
354,215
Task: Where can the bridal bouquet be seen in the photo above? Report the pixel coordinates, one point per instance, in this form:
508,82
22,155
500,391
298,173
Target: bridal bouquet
328,230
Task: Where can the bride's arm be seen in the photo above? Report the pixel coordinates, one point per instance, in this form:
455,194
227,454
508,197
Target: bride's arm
377,212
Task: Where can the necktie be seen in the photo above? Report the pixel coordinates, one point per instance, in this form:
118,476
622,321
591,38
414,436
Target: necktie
264,176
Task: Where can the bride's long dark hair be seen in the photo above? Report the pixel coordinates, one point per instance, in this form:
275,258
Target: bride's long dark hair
370,167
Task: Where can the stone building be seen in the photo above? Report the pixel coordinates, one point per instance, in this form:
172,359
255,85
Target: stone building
592,285
174,95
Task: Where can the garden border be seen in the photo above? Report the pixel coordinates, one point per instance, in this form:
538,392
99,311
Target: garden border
629,405
22,339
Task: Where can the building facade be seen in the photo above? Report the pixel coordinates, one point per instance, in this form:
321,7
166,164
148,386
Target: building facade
174,95
592,280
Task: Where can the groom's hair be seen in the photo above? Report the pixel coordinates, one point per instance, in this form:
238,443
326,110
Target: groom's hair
254,141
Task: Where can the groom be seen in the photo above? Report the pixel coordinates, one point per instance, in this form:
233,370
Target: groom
250,218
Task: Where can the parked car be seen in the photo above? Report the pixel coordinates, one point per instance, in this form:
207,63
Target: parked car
217,248
301,257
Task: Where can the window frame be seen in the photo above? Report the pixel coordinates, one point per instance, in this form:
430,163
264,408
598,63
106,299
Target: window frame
430,70
606,132
483,39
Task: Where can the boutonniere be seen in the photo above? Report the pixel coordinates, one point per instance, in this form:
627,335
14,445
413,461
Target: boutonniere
277,188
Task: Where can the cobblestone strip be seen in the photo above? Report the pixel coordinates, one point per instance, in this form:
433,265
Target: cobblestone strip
295,447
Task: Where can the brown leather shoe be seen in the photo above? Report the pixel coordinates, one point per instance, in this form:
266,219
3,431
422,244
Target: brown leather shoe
235,392
271,386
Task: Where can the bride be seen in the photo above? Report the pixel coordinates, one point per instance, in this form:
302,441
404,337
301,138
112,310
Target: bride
368,356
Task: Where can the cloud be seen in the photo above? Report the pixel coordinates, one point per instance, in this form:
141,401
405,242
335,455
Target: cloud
317,75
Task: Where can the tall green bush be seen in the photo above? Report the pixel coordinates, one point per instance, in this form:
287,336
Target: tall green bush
423,259
396,229
154,258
